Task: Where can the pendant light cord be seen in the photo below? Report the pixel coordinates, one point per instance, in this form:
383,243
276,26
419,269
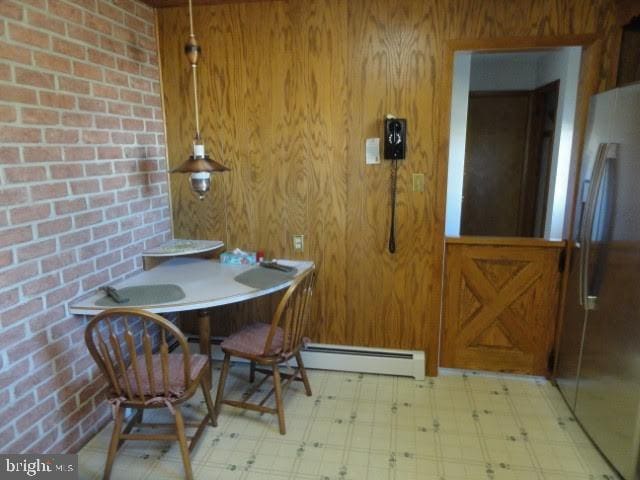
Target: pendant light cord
195,75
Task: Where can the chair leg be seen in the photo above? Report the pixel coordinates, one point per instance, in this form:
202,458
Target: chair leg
115,440
182,441
303,374
278,391
221,382
252,372
209,402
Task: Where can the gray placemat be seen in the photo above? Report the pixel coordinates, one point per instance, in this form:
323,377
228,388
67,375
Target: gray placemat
144,295
262,278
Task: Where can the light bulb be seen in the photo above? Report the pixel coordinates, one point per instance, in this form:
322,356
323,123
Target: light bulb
200,183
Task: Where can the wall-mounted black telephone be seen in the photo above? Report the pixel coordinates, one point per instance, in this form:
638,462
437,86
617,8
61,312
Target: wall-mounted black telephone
395,148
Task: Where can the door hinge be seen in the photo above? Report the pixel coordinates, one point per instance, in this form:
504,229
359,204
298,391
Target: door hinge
551,360
562,260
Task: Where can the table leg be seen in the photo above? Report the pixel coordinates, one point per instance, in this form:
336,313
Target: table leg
204,322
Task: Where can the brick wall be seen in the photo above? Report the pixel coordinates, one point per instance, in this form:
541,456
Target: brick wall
83,190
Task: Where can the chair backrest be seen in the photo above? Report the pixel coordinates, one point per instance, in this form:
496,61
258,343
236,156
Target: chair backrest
122,341
292,313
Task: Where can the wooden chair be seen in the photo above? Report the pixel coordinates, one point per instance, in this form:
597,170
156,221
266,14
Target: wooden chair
269,346
141,379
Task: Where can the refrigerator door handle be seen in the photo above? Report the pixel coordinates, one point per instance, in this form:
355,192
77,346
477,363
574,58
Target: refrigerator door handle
585,231
606,151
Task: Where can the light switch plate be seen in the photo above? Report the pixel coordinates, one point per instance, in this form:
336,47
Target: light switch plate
298,243
372,151
418,182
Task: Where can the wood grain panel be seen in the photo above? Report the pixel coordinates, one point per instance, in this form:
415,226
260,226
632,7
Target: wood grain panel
500,307
290,92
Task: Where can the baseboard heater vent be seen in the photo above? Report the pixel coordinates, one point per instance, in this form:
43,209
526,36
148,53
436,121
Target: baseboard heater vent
408,363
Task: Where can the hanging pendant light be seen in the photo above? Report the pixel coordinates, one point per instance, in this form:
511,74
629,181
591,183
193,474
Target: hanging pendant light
199,165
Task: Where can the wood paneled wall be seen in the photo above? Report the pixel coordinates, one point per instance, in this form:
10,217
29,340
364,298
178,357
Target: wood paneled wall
290,90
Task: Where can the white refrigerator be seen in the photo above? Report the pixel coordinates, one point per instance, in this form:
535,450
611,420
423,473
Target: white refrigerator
598,369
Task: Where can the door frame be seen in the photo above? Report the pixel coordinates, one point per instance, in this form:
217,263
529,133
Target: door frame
589,83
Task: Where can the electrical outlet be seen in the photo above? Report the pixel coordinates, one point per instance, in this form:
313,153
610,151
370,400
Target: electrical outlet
418,182
298,243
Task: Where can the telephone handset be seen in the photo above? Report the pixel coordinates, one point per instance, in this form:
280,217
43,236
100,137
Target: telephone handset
395,143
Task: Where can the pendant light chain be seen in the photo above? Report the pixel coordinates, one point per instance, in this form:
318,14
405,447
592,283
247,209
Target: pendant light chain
194,67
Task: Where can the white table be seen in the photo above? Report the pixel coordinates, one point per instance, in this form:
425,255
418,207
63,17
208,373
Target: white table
206,283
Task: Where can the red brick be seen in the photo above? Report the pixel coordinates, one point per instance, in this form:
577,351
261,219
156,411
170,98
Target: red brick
97,23
70,206
54,227
30,213
15,53
151,72
102,200
23,441
82,187
104,230
79,153
35,250
5,72
83,34
128,66
87,70
74,239
95,280
123,138
12,335
86,219
11,9
11,93
109,152
101,58
63,171
91,105
131,96
98,169
13,196
142,112
111,12
61,329
52,62
9,155
28,36
57,261
57,100
45,442
113,183
49,191
8,298
24,386
69,49
34,78
12,410
62,294
95,136
25,174
74,85
56,135
6,258
45,22
133,124
20,135
8,114
70,119
39,116
19,313
41,154
7,435
65,11
124,34
105,91
78,270
36,287
107,122
14,236
116,78
116,108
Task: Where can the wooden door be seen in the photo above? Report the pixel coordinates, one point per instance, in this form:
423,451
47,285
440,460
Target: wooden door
500,304
495,152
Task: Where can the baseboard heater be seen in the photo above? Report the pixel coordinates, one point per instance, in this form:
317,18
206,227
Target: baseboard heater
408,363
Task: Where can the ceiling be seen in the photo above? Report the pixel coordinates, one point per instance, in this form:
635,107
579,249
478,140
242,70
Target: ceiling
178,3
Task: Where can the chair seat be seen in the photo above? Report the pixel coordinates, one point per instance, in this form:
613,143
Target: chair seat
176,374
251,340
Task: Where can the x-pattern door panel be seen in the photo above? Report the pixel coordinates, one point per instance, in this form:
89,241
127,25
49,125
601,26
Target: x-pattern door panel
500,307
